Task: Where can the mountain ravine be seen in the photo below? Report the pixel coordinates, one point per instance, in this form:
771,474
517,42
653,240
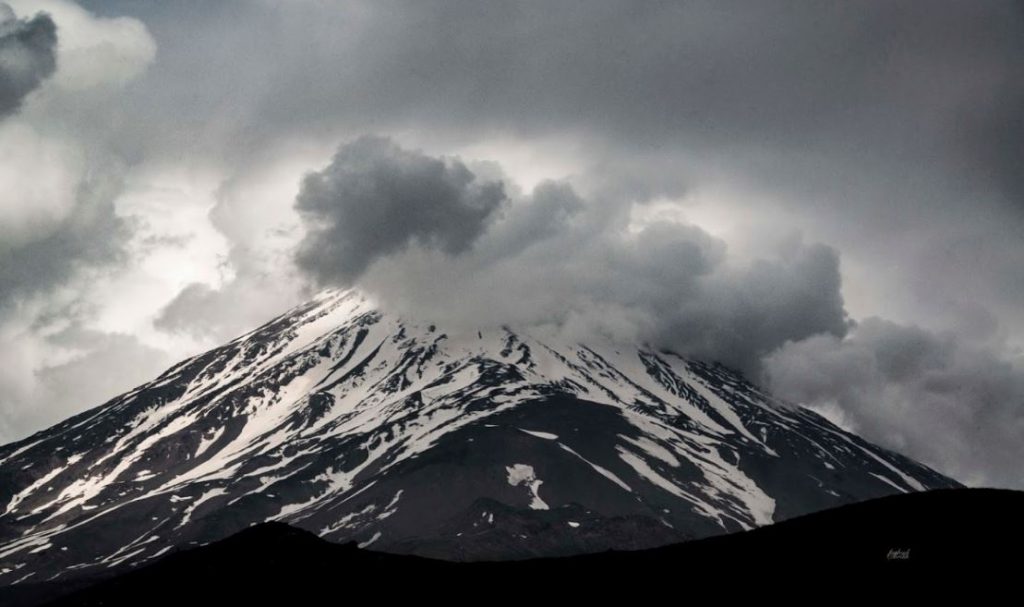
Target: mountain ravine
359,426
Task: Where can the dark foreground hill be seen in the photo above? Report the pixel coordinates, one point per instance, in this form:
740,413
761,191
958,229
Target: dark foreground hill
961,531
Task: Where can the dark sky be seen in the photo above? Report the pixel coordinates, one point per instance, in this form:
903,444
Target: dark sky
826,195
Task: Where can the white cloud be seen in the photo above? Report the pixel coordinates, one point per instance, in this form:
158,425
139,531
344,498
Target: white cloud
39,180
93,51
62,237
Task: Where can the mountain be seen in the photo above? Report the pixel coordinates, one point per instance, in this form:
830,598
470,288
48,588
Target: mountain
962,531
358,426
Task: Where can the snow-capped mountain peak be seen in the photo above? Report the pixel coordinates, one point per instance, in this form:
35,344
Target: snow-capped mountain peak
360,426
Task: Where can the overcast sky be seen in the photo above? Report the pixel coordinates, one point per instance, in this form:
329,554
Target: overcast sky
827,196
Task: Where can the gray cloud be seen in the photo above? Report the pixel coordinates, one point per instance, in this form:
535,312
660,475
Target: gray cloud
849,80
950,402
874,126
61,233
889,130
59,192
744,316
91,235
376,198
194,309
43,309
550,257
103,365
27,56
214,315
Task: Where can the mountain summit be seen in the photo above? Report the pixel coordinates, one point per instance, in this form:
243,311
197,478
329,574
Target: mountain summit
358,426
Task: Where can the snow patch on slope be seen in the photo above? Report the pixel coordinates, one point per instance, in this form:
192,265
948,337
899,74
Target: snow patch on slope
523,474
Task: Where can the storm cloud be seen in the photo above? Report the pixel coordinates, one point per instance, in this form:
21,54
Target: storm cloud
853,123
90,235
28,55
449,250
598,265
62,238
59,178
376,199
953,403
743,182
